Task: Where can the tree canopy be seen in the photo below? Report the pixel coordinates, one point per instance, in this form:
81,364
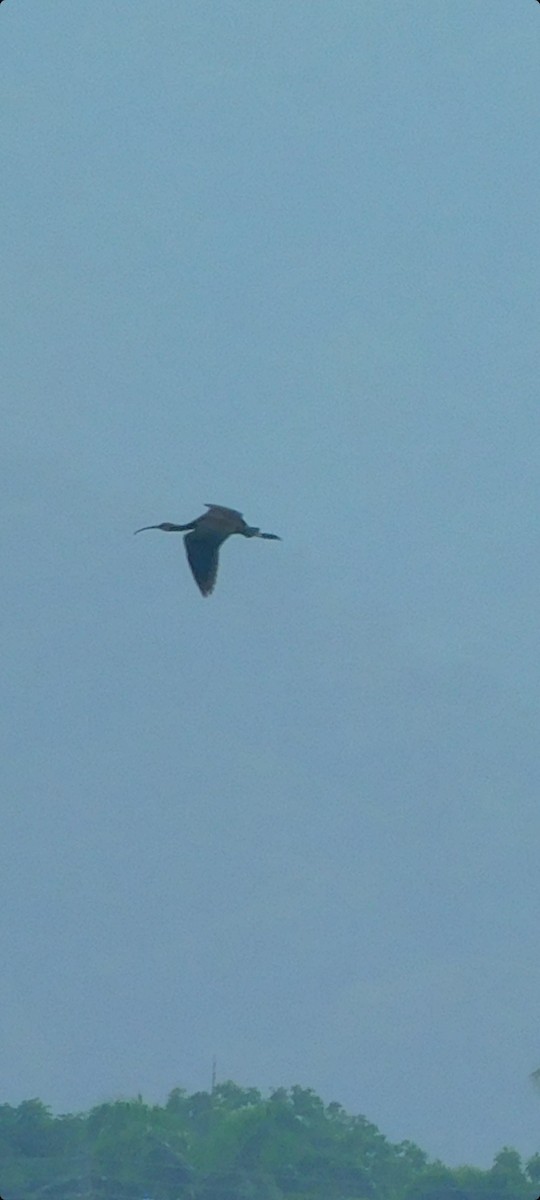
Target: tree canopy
232,1143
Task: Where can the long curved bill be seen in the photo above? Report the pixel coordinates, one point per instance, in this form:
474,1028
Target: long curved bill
146,527
272,537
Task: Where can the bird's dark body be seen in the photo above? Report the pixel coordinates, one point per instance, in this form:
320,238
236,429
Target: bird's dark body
205,535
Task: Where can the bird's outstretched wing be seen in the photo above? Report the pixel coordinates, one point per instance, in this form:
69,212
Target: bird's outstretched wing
230,512
202,550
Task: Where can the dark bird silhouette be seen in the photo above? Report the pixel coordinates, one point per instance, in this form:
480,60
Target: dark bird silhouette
205,535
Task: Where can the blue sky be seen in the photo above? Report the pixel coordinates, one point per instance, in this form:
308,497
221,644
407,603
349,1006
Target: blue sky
283,257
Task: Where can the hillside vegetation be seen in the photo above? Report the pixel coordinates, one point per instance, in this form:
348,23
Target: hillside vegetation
232,1144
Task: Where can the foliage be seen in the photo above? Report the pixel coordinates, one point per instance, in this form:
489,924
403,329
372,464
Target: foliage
232,1144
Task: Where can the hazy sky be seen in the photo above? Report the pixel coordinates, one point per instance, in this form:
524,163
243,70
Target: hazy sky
282,256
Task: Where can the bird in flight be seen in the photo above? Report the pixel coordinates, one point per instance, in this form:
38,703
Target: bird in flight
205,535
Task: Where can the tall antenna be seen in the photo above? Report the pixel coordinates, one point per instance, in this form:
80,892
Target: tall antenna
214,1064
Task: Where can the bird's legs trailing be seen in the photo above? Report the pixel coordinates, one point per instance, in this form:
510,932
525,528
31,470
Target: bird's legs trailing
254,531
